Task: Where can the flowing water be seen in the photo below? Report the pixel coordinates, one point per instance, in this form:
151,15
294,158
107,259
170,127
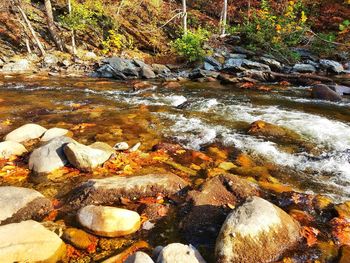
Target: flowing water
208,113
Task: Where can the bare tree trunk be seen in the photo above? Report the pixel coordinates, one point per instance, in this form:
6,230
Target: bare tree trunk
28,46
184,16
51,25
74,48
224,19
37,41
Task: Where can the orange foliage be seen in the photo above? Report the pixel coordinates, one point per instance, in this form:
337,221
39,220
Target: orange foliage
341,230
310,234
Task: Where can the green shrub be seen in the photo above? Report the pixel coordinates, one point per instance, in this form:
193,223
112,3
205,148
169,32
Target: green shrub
275,33
190,45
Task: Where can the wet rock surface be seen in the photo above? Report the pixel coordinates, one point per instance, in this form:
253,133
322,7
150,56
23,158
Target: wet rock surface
31,243
109,221
26,132
139,257
177,252
257,231
323,92
211,204
86,158
18,204
50,156
110,190
10,148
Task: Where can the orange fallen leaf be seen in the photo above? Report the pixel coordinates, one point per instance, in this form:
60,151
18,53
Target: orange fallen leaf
310,234
341,230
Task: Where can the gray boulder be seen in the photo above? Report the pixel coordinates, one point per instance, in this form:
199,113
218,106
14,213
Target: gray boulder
10,148
53,133
340,89
18,204
108,191
160,69
21,65
257,231
147,72
211,63
323,92
29,241
26,132
272,63
179,253
331,66
50,60
255,65
84,157
208,206
50,156
304,68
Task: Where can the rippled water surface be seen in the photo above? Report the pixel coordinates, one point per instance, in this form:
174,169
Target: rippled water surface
208,113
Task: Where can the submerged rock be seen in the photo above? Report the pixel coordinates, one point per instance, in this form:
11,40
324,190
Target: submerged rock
139,257
210,206
26,132
50,156
78,238
110,190
323,92
109,221
53,133
18,204
29,241
10,148
84,157
179,253
257,231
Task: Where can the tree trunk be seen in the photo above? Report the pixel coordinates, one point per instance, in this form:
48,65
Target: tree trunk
224,19
74,48
184,16
51,25
37,41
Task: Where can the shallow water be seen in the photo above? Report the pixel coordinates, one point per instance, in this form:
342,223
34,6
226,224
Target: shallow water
211,114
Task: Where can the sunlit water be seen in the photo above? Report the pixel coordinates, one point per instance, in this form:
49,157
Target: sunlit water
211,114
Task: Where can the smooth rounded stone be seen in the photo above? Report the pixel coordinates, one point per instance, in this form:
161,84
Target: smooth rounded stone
257,231
340,89
304,68
29,241
10,148
78,238
109,221
332,66
110,190
50,156
121,146
50,60
26,132
103,147
323,92
84,157
139,257
53,133
179,253
18,204
147,72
